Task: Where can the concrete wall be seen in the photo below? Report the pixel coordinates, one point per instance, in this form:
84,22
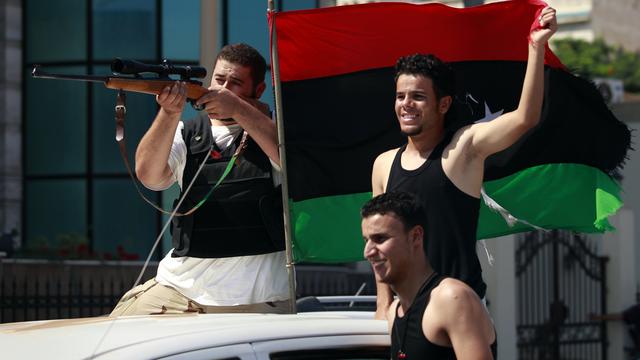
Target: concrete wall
629,112
617,22
622,282
208,36
10,117
623,251
501,291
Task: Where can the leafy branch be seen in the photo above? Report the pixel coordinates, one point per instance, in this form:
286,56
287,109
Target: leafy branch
598,59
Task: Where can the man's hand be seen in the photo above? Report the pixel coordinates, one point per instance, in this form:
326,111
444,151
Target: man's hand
220,103
548,26
172,98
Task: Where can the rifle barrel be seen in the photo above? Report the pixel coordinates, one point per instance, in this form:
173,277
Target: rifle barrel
37,73
136,84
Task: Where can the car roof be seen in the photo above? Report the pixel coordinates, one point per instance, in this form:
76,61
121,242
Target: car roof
163,335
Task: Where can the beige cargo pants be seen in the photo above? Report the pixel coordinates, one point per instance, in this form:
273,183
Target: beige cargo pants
152,298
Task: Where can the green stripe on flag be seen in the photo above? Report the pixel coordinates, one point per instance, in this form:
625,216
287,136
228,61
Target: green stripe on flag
553,196
327,229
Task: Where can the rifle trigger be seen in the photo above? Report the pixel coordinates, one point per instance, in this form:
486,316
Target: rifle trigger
196,107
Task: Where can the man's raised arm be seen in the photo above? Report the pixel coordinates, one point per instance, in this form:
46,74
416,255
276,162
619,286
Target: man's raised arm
221,103
152,154
494,136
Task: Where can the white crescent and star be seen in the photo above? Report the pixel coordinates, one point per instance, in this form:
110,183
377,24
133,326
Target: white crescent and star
488,114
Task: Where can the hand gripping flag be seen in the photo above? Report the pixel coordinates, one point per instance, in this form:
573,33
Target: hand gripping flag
338,91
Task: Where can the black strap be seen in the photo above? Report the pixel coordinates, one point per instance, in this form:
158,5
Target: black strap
121,111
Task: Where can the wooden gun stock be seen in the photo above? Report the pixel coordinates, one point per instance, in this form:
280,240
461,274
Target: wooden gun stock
154,87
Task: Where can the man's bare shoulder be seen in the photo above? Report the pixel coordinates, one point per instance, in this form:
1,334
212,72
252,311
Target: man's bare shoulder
460,137
452,293
461,163
382,164
386,157
457,311
380,172
450,303
391,313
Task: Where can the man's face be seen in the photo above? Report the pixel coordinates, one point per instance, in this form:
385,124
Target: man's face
234,77
388,246
416,106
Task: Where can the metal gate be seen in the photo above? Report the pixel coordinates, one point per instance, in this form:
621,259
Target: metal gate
561,282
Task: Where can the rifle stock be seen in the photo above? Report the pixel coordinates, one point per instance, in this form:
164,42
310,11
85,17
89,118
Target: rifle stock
152,86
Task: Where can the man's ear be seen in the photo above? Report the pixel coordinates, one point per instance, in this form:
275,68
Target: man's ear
444,104
417,236
260,89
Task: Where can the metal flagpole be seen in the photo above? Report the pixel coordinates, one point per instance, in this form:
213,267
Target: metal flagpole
275,66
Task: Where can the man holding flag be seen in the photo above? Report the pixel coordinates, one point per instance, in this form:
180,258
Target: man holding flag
444,167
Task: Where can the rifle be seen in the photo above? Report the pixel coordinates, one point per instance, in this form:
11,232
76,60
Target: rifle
135,82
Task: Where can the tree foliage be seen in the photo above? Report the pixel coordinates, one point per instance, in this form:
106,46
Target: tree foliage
598,59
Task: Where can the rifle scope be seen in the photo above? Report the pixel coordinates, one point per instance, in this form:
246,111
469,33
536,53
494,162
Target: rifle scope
132,67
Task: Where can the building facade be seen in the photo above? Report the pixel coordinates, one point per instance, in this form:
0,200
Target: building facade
64,190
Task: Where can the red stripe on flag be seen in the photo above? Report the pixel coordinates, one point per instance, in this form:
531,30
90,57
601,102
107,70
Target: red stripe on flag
344,39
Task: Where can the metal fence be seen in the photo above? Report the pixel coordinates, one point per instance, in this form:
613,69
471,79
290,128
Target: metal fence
23,300
561,280
40,290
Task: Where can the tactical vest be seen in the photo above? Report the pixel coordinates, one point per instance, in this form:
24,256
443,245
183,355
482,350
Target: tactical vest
242,217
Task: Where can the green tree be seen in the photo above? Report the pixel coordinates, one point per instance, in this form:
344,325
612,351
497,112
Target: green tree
598,59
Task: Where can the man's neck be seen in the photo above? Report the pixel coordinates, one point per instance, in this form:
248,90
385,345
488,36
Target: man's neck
408,289
423,143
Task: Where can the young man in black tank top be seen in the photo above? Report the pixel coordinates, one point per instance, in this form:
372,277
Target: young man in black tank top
434,317
445,170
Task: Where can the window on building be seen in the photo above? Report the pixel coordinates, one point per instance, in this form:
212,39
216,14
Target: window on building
77,192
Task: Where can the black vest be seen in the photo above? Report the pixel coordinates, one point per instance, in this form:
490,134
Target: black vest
407,335
242,217
452,217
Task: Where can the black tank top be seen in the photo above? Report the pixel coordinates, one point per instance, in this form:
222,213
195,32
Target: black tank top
452,217
407,338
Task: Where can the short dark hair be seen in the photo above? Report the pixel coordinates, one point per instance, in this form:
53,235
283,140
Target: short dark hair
403,205
245,55
429,66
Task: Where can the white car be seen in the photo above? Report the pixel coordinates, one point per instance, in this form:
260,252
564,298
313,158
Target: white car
312,335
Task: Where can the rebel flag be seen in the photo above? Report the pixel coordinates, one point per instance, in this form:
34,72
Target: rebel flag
338,90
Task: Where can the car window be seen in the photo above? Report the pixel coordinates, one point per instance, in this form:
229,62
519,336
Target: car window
338,346
353,353
229,352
